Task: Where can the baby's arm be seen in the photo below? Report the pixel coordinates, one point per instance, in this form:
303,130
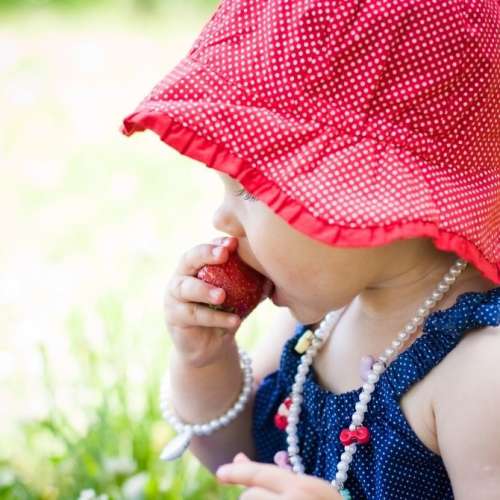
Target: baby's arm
205,391
468,422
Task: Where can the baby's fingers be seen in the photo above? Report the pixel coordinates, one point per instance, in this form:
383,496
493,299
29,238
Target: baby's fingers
195,258
191,314
190,289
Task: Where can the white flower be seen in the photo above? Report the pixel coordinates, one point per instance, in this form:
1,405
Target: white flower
90,494
133,488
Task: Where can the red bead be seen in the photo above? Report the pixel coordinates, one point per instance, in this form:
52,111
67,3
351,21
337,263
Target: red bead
360,435
288,402
280,421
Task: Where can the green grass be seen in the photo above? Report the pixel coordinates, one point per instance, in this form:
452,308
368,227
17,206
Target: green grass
93,224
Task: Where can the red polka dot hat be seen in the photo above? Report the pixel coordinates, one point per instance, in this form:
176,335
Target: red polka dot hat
356,122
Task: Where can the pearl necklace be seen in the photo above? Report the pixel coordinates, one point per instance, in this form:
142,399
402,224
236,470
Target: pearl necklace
356,434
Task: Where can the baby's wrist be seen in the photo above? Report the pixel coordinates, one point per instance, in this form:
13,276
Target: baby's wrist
206,427
197,360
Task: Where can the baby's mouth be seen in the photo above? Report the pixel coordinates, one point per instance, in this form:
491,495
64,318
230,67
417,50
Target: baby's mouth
268,288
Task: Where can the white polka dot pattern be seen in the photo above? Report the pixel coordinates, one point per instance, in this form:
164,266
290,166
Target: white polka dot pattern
358,122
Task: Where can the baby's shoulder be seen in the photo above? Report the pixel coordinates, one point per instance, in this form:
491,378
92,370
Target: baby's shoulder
483,342
475,357
467,399
469,374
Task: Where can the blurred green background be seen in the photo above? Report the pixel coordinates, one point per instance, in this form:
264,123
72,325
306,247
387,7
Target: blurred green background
92,225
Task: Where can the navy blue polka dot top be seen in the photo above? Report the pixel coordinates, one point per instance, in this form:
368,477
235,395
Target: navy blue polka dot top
394,464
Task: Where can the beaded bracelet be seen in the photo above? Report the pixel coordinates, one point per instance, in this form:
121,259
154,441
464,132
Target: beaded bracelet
177,446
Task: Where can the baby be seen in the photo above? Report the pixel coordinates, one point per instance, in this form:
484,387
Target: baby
358,144
377,290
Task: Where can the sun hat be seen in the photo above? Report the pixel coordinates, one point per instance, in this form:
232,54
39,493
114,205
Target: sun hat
358,123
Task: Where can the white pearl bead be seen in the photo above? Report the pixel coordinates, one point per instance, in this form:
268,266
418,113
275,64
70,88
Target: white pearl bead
437,295
224,420
368,387
378,367
383,358
373,378
299,469
418,320
389,352
352,427
341,476
303,369
197,428
293,449
238,407
316,343
291,428
307,359
449,279
403,336
320,334
455,272
443,287
292,419
330,316
411,328
357,419
422,311
342,466
364,397
396,344
429,303
346,457
313,351
297,399
361,407
231,413
292,440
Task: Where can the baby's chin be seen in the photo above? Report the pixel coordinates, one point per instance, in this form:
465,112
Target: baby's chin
306,317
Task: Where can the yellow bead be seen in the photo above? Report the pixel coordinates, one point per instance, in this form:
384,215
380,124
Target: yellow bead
304,342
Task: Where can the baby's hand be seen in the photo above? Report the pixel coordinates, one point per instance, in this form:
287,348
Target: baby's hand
201,335
267,481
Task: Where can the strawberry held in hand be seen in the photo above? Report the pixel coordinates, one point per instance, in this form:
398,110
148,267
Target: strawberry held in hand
244,286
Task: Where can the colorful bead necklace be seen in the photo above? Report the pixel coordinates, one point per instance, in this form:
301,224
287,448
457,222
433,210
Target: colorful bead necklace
287,417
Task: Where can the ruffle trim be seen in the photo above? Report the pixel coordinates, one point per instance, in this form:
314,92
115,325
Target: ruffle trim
218,157
443,330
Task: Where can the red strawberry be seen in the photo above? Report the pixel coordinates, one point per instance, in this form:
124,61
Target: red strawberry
244,286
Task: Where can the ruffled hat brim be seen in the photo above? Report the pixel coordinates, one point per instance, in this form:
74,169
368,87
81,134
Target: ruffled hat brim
390,194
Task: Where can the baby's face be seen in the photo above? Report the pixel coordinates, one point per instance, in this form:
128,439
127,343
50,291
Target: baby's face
311,277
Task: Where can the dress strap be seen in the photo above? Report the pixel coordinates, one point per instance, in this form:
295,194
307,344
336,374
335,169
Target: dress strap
442,331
